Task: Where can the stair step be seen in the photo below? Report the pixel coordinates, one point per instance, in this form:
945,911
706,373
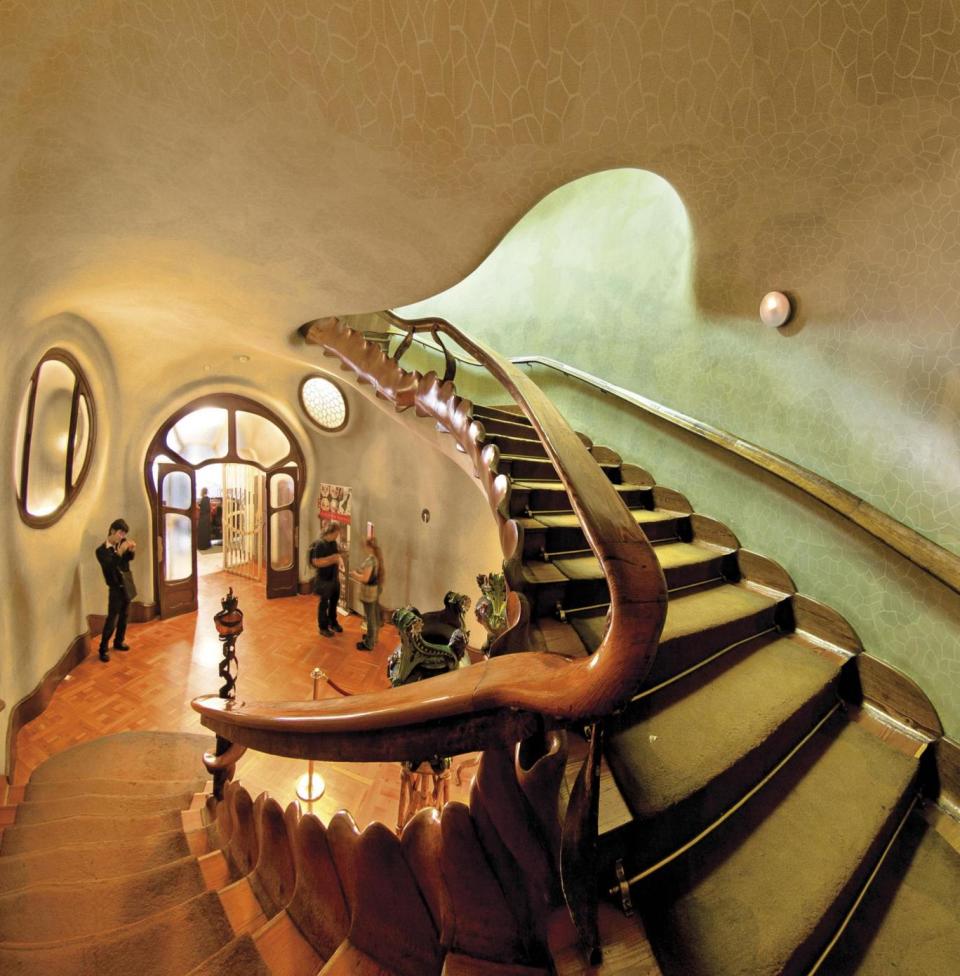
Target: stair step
20,839
563,533
237,958
482,411
683,563
111,787
762,894
501,426
172,942
907,923
128,755
517,467
527,447
580,581
698,625
684,754
547,498
95,860
57,911
44,811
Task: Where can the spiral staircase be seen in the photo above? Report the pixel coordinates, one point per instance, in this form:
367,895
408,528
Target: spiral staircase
770,798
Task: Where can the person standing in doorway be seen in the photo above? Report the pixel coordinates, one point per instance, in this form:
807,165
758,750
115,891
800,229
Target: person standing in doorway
325,559
370,578
114,557
203,520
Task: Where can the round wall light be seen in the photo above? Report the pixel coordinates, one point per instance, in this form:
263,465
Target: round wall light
776,309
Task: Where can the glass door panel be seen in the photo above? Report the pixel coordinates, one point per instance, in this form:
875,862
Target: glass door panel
283,535
176,540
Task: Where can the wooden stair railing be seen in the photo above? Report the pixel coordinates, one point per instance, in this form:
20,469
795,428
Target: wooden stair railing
505,699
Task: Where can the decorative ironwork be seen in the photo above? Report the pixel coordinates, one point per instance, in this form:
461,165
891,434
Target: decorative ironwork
229,624
491,609
430,644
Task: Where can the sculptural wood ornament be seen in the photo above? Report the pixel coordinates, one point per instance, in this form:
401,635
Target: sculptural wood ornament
445,890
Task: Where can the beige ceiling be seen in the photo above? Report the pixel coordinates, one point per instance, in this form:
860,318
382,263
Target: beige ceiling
200,167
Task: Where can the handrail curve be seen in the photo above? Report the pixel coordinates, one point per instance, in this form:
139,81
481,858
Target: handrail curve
504,698
939,562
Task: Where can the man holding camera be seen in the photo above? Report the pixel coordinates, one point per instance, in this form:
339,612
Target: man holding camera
114,557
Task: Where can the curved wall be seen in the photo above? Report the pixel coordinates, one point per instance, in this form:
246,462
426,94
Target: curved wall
600,275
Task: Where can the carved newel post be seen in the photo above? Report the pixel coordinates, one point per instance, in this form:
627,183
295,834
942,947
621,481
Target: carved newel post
491,609
229,623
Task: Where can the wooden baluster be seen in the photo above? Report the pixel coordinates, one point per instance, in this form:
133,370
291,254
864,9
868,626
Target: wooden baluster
579,850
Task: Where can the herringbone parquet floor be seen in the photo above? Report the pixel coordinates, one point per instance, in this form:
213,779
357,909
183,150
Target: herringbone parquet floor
173,661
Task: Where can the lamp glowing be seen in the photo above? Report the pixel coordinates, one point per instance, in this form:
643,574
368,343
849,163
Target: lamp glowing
776,309
310,787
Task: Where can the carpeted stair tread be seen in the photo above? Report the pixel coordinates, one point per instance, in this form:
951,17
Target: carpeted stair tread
909,921
509,411
19,839
128,755
553,485
731,721
762,894
169,944
567,520
237,958
94,859
57,911
689,614
670,555
45,811
111,787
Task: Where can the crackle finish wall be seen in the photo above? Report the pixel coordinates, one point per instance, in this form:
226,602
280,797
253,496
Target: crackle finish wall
194,180
599,275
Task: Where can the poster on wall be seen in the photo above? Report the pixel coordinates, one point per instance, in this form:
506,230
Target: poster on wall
333,504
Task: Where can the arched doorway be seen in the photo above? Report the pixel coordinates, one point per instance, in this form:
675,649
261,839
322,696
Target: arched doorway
224,429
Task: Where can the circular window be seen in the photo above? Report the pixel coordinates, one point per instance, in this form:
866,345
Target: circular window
323,403
55,434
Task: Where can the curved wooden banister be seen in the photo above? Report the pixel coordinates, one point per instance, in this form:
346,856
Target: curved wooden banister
503,699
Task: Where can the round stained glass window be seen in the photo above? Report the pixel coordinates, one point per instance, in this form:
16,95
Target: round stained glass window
323,403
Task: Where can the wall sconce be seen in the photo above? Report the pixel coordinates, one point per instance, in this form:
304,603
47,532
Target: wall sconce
776,309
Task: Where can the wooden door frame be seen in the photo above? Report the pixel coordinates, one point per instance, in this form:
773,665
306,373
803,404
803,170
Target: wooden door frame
231,402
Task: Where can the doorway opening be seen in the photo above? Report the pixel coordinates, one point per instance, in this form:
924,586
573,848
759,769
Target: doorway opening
231,523
223,471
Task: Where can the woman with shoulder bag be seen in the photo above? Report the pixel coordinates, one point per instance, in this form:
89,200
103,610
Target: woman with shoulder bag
370,578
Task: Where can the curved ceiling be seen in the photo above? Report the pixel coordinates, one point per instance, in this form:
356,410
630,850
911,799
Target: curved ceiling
250,166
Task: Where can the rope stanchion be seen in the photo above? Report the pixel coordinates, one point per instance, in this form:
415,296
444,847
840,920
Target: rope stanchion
311,785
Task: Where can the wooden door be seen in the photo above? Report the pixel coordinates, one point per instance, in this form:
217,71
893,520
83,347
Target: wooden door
283,531
176,549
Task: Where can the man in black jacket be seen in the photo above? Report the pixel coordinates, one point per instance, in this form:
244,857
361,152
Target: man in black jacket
325,559
114,557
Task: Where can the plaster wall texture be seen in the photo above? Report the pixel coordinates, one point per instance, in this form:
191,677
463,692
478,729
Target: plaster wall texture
600,275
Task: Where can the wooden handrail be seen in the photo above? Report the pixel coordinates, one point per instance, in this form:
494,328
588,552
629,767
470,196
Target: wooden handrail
940,563
505,698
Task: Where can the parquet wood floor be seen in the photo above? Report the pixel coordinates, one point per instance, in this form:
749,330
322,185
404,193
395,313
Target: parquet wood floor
173,661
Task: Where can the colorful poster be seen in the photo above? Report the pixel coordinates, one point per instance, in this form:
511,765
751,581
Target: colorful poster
333,503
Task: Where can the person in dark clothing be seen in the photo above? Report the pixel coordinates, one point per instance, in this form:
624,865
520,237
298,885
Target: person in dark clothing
325,558
204,522
114,557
